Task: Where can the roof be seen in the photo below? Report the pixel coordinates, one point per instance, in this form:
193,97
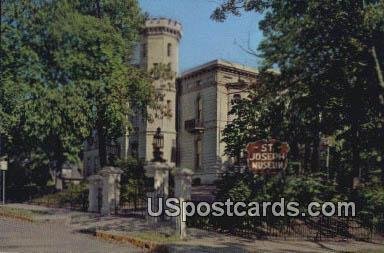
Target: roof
222,63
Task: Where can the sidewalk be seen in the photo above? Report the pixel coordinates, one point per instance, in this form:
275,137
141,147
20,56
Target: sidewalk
198,240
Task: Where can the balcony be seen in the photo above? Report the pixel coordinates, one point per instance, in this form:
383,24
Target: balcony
194,126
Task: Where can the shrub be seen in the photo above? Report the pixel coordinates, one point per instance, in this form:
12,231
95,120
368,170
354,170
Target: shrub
370,205
75,196
133,180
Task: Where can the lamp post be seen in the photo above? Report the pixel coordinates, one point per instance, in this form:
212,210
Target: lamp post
158,145
3,168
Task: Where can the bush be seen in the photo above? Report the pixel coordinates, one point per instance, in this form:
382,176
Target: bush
247,187
75,197
370,205
133,180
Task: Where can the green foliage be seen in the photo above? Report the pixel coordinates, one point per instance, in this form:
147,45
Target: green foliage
327,83
304,189
133,180
163,78
75,197
370,203
75,194
64,72
245,186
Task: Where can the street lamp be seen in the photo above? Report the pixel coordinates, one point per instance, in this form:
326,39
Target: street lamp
158,145
3,168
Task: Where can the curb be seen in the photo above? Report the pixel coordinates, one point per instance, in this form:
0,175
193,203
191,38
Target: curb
143,244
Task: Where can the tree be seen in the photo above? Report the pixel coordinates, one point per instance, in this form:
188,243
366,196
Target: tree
327,78
65,72
44,120
128,89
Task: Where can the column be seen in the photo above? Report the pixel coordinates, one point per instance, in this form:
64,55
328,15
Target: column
94,183
183,189
111,189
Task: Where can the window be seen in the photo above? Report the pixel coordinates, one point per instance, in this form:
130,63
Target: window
169,108
174,154
134,149
198,151
236,98
169,49
88,167
198,83
144,50
199,103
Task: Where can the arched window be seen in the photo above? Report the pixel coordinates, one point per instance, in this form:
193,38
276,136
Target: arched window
169,107
169,49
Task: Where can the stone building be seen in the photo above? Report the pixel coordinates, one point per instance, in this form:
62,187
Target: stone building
197,102
205,96
159,46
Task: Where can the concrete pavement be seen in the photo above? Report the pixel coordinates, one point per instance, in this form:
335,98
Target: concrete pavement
64,224
53,237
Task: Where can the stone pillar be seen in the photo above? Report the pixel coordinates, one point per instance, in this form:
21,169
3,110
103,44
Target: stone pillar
160,173
111,189
154,207
94,183
183,189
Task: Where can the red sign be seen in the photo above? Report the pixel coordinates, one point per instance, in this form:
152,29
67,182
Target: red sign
267,156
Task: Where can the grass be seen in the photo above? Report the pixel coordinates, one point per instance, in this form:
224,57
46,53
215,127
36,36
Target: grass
156,237
151,242
73,196
17,213
53,199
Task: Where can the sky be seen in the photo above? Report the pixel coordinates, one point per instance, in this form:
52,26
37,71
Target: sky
204,39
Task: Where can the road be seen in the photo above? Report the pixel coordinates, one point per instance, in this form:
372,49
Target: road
24,237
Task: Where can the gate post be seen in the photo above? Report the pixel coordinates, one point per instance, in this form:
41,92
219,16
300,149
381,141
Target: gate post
160,173
94,183
183,188
111,189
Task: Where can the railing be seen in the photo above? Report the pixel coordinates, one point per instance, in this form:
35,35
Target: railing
133,208
134,202
310,228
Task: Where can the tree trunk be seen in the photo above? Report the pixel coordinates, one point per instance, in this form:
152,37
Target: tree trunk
377,67
382,169
355,155
98,12
102,144
380,78
58,161
307,153
315,159
100,126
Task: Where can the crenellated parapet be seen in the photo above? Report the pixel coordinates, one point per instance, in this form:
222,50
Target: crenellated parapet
161,26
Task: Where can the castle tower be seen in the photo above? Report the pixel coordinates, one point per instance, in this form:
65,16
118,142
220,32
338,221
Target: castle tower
159,46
